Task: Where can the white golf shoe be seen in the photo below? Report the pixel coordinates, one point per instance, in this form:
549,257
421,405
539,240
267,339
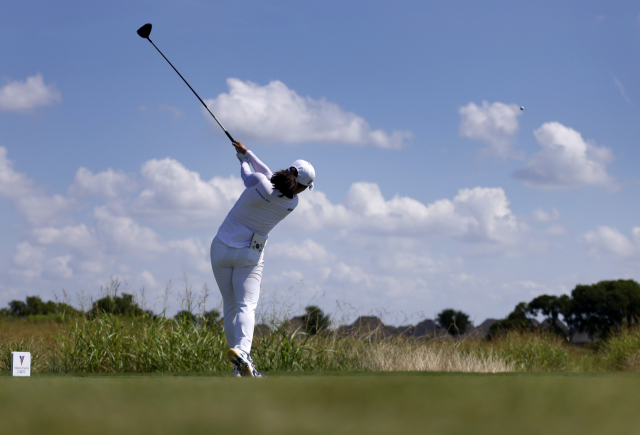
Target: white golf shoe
243,364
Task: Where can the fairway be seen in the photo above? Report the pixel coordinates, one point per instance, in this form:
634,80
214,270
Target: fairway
369,403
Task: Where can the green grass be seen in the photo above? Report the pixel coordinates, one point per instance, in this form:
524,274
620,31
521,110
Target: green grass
371,403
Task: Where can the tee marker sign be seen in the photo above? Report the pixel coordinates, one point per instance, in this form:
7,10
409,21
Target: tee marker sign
20,364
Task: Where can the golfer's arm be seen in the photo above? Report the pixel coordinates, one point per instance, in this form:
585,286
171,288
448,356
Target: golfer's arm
249,178
258,166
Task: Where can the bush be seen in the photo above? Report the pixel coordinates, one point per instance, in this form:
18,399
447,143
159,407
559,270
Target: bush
315,320
212,317
454,322
118,305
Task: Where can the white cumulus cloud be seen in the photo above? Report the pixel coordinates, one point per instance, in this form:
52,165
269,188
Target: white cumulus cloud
108,184
191,251
59,267
546,216
17,96
28,260
306,250
565,161
123,234
412,262
177,196
25,197
148,279
276,113
494,124
474,215
78,236
606,239
12,184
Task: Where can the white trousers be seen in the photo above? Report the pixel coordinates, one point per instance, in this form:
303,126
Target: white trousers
238,272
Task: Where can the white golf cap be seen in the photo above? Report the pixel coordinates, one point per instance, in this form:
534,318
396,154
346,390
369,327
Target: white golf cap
306,173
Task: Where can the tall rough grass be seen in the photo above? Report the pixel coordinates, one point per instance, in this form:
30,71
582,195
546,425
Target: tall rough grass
110,344
621,350
285,350
403,354
533,351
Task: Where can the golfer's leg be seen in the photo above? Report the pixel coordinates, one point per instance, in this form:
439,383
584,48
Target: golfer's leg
223,275
229,305
246,282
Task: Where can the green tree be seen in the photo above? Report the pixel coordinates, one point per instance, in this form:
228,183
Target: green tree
212,318
598,308
517,319
455,322
552,307
119,305
34,306
315,320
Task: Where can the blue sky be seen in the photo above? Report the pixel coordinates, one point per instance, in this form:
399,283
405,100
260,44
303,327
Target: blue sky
433,190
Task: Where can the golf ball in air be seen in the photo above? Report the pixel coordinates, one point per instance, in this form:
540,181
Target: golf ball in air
521,107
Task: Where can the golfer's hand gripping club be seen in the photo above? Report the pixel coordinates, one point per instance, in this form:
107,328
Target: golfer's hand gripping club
240,147
144,32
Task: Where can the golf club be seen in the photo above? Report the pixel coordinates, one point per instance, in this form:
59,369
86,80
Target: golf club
144,32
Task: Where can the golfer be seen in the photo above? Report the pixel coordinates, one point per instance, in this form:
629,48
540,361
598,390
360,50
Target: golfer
237,251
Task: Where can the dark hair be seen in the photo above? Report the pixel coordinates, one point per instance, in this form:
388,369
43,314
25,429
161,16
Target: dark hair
285,181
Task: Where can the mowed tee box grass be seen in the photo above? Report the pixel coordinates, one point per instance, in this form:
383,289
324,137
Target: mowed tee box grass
372,403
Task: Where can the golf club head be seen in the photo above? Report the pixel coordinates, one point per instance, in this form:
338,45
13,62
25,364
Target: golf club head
145,31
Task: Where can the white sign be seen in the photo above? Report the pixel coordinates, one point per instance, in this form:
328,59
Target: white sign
20,364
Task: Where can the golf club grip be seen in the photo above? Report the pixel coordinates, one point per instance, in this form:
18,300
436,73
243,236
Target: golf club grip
229,136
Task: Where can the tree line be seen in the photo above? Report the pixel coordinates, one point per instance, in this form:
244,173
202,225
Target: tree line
596,309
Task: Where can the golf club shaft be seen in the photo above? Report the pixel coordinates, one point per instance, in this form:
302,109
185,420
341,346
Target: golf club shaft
194,92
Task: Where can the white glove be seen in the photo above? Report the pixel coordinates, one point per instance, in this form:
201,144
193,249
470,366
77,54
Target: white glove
242,157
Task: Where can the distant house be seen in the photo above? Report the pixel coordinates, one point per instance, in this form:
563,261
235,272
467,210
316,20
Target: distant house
369,327
429,329
576,337
581,338
559,325
373,327
480,331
